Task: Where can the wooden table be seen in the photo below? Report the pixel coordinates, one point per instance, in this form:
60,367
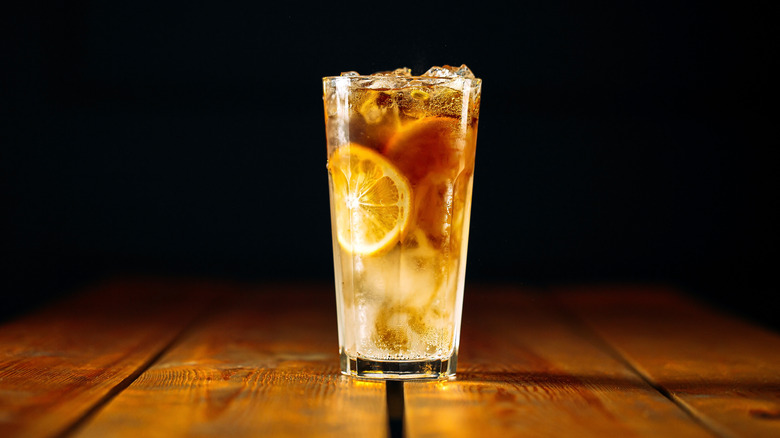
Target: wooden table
171,358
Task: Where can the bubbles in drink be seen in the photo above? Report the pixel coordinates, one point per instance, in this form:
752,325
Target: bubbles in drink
400,300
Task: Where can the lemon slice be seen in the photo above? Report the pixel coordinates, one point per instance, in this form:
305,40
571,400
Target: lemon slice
371,199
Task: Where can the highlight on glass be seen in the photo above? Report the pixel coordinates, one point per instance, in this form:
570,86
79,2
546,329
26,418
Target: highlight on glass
400,152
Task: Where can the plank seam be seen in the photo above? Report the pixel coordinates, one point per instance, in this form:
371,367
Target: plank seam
581,326
394,393
117,389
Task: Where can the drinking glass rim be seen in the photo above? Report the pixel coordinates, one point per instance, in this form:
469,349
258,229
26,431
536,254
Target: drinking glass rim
403,78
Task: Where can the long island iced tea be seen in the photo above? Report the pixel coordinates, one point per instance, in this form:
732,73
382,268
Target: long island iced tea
400,164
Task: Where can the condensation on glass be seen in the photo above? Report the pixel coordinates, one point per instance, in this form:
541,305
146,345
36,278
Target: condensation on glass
401,166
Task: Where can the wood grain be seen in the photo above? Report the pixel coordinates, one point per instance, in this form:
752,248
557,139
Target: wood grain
265,365
58,364
724,370
525,371
188,358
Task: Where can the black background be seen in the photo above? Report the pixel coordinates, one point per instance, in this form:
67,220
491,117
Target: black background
619,141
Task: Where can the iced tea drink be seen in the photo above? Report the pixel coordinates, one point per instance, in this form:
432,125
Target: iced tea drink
400,166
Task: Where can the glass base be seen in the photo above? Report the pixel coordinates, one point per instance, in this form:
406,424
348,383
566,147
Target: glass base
361,367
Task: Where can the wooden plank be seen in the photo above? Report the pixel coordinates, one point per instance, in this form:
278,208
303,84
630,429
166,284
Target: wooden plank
726,371
265,365
525,371
58,364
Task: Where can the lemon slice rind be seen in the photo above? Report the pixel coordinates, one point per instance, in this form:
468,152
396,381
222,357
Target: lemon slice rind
372,200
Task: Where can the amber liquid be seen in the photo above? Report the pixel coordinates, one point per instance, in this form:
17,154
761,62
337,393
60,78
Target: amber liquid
404,304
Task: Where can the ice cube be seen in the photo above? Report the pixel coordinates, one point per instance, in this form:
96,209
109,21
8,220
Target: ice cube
377,106
403,72
412,102
448,101
448,71
380,82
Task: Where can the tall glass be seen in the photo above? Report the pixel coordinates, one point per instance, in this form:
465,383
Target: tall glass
400,166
